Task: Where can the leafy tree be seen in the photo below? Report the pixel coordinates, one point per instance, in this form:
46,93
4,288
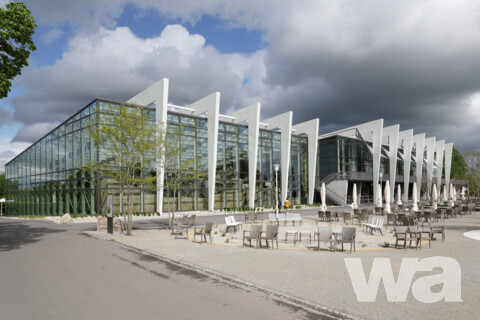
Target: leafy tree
127,141
472,158
16,30
459,167
182,166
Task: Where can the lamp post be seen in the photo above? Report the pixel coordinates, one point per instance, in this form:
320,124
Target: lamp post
276,167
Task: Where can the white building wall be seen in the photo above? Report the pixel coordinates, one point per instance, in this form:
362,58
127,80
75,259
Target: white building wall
439,150
419,143
311,129
284,122
251,114
430,146
448,166
392,134
405,139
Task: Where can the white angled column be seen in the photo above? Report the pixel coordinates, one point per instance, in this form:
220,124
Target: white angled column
448,166
405,139
375,128
392,133
210,105
419,143
157,93
284,122
430,146
251,114
311,129
439,150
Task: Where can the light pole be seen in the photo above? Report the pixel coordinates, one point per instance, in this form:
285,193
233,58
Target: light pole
276,166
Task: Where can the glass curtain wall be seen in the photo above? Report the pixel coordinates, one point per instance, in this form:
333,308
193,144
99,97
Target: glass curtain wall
47,179
269,153
298,175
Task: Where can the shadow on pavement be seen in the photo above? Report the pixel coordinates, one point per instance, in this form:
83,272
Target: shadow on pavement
17,234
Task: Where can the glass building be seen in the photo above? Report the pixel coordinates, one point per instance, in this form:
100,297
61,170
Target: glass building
235,154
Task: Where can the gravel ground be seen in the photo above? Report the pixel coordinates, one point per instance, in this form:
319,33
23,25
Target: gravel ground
321,277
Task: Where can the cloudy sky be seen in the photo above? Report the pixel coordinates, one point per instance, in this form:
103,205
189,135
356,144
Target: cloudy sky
415,63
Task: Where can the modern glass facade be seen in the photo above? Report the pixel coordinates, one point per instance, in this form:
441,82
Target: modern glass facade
50,177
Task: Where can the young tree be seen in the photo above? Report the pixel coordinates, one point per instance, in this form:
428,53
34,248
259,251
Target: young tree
472,158
127,141
16,30
181,165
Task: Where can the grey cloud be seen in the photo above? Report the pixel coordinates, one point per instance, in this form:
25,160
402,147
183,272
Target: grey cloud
412,63
5,156
5,117
33,132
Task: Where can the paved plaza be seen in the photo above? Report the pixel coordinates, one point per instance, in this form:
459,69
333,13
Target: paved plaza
321,277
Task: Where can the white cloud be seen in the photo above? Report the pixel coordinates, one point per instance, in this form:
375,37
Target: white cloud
116,64
409,62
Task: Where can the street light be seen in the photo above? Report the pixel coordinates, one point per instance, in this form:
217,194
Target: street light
276,166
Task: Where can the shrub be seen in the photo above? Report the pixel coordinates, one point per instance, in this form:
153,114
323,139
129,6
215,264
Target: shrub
386,244
364,245
223,234
298,207
227,240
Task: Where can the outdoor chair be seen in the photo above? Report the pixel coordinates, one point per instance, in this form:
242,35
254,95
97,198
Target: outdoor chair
402,234
464,210
436,229
292,232
203,232
391,217
417,234
440,216
362,217
427,216
348,236
347,216
191,220
321,215
270,234
378,210
231,223
250,216
179,226
401,207
410,221
418,215
306,233
324,234
449,213
376,226
355,213
252,234
371,220
328,215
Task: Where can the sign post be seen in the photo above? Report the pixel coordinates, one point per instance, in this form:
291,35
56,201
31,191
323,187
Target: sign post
110,214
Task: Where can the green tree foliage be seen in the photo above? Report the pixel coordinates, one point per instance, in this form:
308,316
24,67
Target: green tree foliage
182,167
2,185
472,159
459,166
16,30
127,142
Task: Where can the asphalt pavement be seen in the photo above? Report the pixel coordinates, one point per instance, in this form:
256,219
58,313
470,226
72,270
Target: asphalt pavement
50,271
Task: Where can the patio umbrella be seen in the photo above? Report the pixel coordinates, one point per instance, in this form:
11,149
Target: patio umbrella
399,195
451,202
434,197
387,196
354,196
379,195
444,196
414,197
322,195
462,194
